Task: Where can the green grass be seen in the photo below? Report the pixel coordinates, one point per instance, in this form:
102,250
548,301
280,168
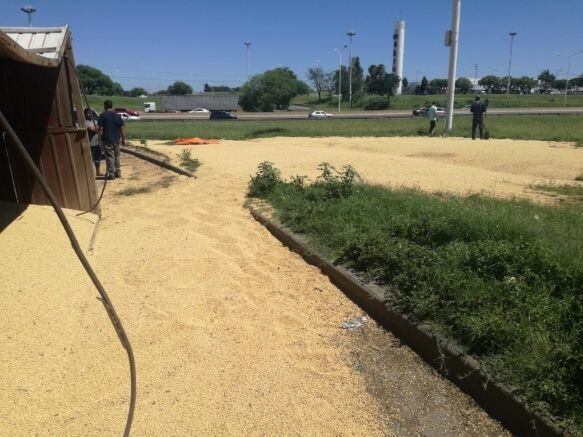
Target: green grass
135,103
550,128
132,191
501,279
411,102
397,102
575,191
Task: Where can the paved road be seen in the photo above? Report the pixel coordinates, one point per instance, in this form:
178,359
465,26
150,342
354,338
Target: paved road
297,115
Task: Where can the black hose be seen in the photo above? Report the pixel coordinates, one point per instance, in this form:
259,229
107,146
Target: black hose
75,244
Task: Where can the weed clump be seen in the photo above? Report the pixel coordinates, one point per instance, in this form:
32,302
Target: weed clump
187,161
266,179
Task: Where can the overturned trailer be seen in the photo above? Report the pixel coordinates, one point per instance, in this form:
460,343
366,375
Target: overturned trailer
41,99
212,102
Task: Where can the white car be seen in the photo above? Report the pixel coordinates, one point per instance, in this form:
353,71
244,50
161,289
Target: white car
319,115
126,117
199,111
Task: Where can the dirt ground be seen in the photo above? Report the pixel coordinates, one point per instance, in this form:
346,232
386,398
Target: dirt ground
233,334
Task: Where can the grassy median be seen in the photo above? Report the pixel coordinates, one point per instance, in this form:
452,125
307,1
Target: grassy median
549,128
501,279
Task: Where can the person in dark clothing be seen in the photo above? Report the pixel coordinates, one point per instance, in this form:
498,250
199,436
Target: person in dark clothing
478,110
111,132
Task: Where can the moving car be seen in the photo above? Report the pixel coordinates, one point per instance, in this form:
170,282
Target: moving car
316,115
422,112
199,110
127,111
223,115
127,117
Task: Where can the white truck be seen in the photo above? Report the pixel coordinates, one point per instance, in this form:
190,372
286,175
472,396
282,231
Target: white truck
149,106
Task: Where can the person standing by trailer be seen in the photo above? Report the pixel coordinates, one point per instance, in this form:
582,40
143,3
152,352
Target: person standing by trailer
478,110
111,133
432,115
96,152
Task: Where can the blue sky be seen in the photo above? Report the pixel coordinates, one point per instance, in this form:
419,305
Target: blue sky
151,43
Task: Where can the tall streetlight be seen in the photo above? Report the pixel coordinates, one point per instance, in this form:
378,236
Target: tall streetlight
569,71
452,40
512,35
350,35
248,47
29,10
339,51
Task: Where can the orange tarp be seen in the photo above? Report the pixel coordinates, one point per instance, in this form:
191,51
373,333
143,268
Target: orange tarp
194,141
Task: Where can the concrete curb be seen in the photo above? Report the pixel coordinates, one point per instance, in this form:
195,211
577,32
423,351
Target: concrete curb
155,160
497,400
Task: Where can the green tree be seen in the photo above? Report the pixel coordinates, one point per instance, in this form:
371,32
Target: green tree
179,88
379,82
117,89
463,85
270,90
345,86
138,91
405,83
94,81
546,80
423,88
560,84
438,86
357,78
302,88
316,76
492,84
525,84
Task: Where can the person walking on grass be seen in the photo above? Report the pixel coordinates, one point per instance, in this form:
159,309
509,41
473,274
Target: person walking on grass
432,115
111,132
478,110
96,152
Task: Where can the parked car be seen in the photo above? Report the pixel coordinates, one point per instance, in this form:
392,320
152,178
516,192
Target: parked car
422,112
127,111
223,115
317,115
199,111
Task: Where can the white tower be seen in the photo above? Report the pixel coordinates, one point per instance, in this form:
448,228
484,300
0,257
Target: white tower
398,52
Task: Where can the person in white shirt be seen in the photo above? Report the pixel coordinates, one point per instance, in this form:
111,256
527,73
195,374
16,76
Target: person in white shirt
432,115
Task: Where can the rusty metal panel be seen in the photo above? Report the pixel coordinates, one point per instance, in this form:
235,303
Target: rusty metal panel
44,107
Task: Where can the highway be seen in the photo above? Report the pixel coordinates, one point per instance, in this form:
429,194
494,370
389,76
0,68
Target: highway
356,115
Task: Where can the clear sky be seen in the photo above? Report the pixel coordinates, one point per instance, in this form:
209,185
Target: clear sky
151,43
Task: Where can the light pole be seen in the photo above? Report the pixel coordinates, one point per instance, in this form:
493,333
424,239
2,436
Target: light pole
248,46
29,10
512,35
350,35
453,40
569,71
339,51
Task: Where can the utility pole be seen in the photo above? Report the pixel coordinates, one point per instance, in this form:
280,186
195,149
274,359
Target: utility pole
452,41
512,35
476,76
29,10
340,75
569,71
350,35
248,46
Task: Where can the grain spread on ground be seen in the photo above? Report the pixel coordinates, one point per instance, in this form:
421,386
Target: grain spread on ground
233,334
